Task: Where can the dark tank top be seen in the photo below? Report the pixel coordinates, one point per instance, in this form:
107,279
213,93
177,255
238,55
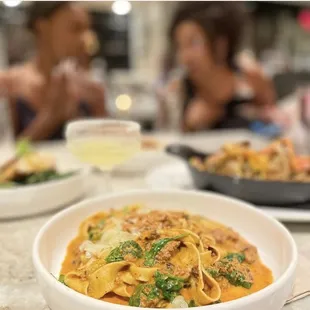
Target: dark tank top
232,119
26,115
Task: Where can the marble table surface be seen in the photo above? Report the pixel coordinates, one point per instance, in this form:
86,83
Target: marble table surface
18,288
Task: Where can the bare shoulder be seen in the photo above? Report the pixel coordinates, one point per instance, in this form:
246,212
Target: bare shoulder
19,80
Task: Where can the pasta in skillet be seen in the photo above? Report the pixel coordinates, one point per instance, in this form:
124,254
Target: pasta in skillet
161,259
277,162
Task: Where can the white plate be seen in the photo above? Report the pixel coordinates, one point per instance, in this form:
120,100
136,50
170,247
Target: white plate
276,246
143,161
177,176
40,198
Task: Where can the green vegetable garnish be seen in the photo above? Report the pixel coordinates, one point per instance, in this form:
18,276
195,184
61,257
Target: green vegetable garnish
157,246
128,247
239,256
95,233
150,291
228,269
236,278
45,176
153,293
36,178
192,304
214,273
7,184
61,279
126,209
23,147
169,285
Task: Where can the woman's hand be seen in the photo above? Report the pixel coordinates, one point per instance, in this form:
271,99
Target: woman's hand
61,99
60,104
274,115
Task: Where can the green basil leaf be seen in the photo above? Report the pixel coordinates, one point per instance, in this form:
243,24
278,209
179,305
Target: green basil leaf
169,285
128,247
157,246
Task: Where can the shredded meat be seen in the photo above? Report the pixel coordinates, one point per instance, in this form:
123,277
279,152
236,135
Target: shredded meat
206,240
235,265
195,272
155,220
251,254
182,272
148,235
169,266
221,235
148,303
130,258
168,251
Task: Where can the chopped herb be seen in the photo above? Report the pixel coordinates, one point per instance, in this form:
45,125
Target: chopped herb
239,256
150,291
227,268
45,176
157,246
236,278
23,147
95,232
8,184
61,279
128,247
153,293
126,209
217,302
40,177
192,304
214,273
169,285
135,299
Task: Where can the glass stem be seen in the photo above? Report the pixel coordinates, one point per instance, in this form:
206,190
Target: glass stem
107,176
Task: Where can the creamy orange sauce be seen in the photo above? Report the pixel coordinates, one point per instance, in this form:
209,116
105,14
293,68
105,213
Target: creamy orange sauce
73,255
115,299
261,275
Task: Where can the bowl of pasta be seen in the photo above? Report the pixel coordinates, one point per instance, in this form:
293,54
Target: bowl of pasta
164,249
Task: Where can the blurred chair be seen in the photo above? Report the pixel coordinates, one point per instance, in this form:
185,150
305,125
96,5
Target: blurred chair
303,78
285,84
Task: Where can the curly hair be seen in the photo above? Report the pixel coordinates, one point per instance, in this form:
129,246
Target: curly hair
217,19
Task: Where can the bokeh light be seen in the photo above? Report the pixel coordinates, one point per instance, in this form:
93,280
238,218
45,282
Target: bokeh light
121,7
123,102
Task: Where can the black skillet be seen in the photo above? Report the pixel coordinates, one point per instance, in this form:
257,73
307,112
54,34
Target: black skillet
275,193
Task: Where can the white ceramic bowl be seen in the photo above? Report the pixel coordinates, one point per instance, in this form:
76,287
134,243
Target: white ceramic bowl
274,242
39,198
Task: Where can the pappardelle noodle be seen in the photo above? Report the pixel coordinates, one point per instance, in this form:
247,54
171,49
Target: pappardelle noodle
161,259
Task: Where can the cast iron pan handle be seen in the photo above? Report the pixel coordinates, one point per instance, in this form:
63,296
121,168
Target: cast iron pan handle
183,151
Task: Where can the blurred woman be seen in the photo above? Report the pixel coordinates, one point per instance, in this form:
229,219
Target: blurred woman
48,91
206,37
